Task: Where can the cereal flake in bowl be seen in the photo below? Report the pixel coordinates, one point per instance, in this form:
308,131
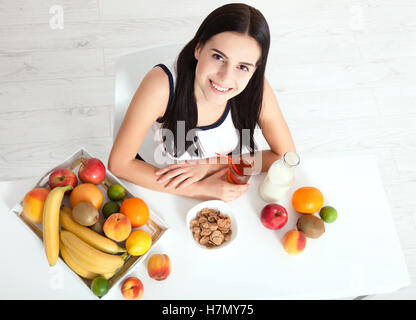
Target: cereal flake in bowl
212,224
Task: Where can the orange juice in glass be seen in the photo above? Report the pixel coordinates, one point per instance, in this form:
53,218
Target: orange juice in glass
236,171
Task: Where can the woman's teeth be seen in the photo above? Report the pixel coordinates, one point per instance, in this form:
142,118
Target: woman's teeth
219,88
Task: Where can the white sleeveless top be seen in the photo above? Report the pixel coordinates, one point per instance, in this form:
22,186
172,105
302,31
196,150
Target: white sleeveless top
220,137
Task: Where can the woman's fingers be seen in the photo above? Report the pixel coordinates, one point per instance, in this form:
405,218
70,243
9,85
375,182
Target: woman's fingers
187,182
168,168
220,173
174,182
170,174
164,170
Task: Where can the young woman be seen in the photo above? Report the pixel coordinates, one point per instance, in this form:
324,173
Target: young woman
209,103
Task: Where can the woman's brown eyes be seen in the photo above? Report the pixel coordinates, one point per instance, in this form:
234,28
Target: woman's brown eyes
218,57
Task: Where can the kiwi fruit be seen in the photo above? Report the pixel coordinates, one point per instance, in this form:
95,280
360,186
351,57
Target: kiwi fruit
98,226
312,226
85,214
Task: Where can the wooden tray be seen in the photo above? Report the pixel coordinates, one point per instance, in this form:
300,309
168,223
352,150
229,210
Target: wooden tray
156,227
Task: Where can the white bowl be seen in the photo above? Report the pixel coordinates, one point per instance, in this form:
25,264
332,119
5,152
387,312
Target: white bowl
225,210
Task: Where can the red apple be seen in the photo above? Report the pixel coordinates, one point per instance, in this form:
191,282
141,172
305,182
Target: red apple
92,171
62,178
273,216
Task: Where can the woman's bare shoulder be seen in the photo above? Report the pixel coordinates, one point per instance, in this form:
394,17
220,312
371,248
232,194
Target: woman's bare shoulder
155,86
147,105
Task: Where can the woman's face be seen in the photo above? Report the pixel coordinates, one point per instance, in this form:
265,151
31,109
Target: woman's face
225,65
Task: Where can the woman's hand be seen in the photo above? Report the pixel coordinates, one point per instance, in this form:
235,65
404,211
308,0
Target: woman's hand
216,187
181,175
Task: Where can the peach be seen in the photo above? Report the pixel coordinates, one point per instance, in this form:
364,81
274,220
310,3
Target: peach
117,227
294,242
132,288
158,266
33,203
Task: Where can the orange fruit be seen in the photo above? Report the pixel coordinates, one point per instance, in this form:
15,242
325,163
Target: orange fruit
136,210
138,242
86,192
307,200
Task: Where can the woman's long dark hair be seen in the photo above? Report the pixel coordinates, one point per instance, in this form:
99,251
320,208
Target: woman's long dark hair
246,106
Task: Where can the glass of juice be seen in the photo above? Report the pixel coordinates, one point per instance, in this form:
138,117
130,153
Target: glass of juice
236,171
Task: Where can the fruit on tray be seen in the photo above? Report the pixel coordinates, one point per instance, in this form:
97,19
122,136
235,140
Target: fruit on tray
136,210
294,242
89,257
273,216
100,286
307,200
109,275
159,266
92,170
116,192
117,227
86,192
311,226
74,265
86,234
51,223
138,242
132,288
109,208
98,226
328,214
77,268
61,178
33,204
85,213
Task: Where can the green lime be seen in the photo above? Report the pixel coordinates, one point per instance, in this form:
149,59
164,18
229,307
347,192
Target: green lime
328,214
109,208
100,286
116,192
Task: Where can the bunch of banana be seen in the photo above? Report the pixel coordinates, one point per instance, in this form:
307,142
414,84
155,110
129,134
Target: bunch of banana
77,268
86,234
51,223
85,259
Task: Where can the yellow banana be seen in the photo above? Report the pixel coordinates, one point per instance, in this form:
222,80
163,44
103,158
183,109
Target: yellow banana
108,276
74,265
84,273
86,234
88,257
51,223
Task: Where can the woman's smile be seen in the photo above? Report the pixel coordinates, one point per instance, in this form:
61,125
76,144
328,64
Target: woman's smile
220,66
219,89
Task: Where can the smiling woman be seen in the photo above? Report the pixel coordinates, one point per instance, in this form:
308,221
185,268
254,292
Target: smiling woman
224,63
225,74
209,102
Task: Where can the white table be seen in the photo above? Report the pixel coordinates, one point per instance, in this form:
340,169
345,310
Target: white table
359,254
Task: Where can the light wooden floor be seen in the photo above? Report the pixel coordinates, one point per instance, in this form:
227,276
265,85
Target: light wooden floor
343,71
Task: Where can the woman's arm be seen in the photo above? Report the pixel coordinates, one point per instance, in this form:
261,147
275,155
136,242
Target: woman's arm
274,129
148,104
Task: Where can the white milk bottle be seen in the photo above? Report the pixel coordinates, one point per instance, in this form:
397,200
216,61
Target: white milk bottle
280,177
